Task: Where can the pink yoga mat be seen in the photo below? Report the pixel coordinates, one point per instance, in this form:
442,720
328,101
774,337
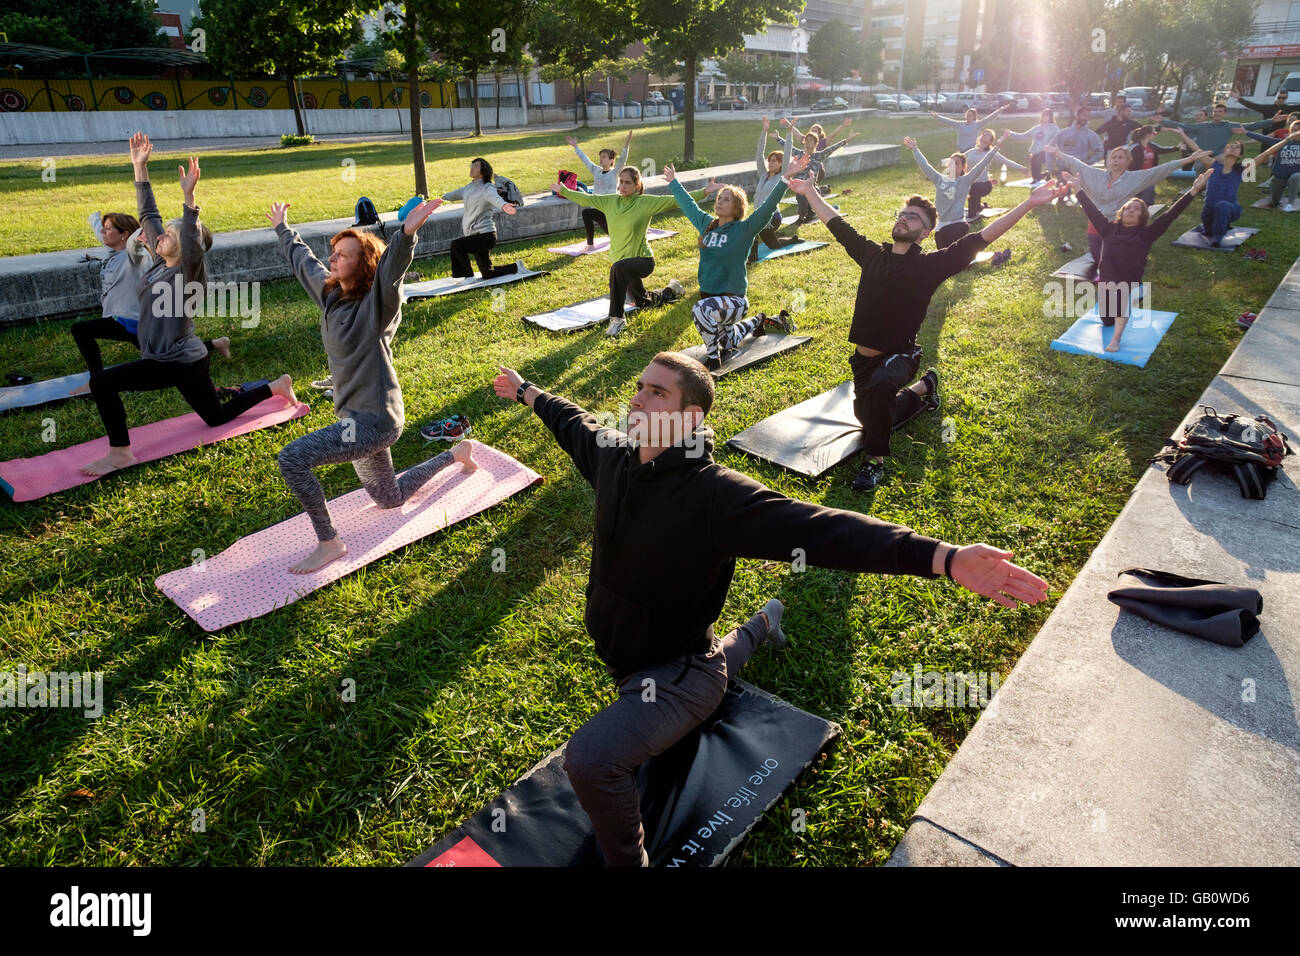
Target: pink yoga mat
251,577
27,479
602,243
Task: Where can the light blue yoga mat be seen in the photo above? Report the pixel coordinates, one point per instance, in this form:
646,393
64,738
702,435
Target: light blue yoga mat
1184,173
807,245
1145,329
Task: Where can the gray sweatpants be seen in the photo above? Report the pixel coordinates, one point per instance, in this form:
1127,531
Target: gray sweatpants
602,758
368,450
1290,187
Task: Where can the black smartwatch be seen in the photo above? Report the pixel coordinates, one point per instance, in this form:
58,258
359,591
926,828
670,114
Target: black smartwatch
947,562
524,386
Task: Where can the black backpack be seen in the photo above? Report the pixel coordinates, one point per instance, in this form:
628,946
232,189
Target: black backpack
1251,450
507,190
366,213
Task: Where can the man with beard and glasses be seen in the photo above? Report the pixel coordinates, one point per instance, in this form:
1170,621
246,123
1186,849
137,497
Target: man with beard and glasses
898,280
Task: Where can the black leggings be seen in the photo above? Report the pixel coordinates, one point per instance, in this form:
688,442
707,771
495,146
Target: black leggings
950,233
476,245
625,280
592,218
772,239
149,375
977,192
86,334
1036,166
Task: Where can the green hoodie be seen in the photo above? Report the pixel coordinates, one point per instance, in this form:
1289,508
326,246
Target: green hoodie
726,247
628,218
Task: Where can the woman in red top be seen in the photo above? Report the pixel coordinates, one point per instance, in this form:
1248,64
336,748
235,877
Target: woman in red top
1146,155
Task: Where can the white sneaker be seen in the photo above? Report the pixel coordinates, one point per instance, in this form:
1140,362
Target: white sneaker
616,325
678,290
520,267
1285,207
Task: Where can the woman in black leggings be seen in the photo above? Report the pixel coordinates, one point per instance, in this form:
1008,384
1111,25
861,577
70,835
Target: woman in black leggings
171,355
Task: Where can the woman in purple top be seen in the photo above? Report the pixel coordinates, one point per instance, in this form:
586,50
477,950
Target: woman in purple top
1125,244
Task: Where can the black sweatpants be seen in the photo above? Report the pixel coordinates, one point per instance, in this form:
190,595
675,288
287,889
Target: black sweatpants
880,395
977,193
86,334
625,280
950,233
477,246
771,238
591,218
149,375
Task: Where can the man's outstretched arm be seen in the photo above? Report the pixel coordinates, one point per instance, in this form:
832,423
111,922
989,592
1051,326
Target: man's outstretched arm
575,429
1043,194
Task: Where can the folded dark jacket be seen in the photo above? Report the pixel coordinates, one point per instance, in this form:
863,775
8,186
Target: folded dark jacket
1222,613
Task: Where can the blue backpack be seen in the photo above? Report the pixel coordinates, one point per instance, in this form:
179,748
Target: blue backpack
366,213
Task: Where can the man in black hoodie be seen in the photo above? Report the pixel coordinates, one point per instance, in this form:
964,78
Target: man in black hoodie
669,526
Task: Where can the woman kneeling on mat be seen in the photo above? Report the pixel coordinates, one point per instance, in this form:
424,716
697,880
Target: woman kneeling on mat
628,213
1126,242
950,191
724,245
1220,209
171,355
360,296
479,232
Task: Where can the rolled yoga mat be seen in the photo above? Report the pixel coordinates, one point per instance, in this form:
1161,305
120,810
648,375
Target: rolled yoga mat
26,479
699,798
251,577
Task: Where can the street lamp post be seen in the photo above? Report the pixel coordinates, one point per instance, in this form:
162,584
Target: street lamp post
902,59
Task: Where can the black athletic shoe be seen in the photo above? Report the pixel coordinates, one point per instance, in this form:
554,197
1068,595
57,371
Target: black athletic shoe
781,322
760,329
871,475
931,379
713,363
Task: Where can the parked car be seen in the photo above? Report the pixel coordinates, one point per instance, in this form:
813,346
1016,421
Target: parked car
655,97
886,101
960,103
1141,97
1096,101
1060,102
827,103
1012,101
597,99
906,103
731,103
1034,102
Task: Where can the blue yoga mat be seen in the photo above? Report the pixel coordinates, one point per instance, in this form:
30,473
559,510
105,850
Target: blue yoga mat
1185,173
1145,329
806,246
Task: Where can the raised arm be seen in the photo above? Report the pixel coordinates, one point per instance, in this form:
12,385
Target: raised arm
582,157
456,195
581,199
945,119
1157,226
146,206
859,248
627,146
1094,215
930,172
192,250
575,429
310,272
393,266
1043,194
698,217
760,158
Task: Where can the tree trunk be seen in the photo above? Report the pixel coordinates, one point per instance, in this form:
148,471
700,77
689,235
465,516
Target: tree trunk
582,97
417,118
688,149
473,95
297,107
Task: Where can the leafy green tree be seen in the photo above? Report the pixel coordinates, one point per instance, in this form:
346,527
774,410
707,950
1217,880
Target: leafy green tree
574,35
694,30
82,26
288,38
833,53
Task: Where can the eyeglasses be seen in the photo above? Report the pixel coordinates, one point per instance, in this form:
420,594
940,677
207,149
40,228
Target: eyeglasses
911,216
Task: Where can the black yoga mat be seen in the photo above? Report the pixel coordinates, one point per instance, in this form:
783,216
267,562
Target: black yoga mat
751,352
698,799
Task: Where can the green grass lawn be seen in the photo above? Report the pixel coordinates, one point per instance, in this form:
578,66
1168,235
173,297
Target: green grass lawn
466,677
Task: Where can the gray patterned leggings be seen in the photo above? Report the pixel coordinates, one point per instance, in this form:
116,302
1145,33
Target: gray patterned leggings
368,450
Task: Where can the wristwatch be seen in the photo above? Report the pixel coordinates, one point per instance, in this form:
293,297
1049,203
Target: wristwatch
524,386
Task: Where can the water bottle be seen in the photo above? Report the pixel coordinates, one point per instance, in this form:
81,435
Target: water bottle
1004,174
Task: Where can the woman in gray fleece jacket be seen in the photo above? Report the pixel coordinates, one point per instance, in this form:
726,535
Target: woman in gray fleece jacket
479,232
950,191
360,297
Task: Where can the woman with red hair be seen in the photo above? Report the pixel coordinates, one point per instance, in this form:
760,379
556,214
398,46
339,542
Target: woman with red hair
360,297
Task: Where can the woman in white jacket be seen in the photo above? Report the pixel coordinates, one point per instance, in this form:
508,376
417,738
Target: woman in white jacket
479,232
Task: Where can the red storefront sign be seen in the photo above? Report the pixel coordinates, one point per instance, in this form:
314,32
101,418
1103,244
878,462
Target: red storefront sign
1276,50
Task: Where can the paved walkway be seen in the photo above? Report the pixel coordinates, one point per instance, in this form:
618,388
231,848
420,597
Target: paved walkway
1118,742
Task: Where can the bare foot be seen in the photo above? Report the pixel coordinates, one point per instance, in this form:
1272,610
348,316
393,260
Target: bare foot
283,386
463,452
1114,346
115,459
587,247
80,390
325,552
222,345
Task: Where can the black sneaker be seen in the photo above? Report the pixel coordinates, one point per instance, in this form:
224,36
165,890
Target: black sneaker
760,328
713,363
871,475
782,322
931,379
672,292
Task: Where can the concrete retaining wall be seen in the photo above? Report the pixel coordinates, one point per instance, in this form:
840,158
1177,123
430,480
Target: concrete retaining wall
99,126
53,284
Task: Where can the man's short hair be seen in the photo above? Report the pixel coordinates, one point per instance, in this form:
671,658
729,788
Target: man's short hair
920,202
692,378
